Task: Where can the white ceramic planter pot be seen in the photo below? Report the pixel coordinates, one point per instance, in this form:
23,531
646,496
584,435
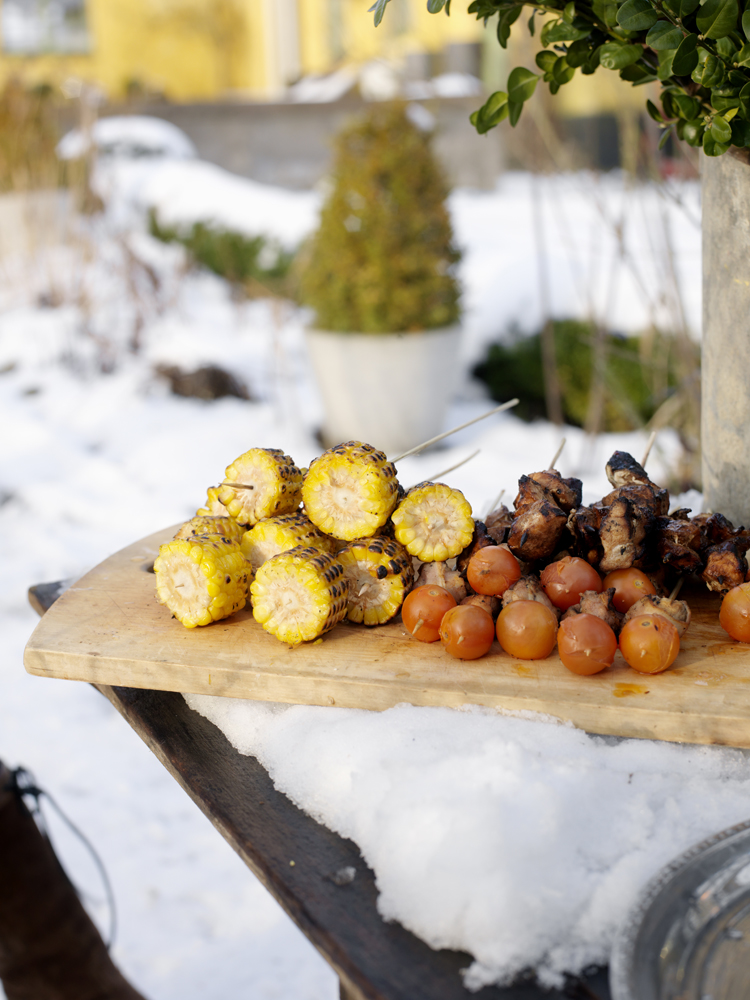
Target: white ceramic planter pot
388,389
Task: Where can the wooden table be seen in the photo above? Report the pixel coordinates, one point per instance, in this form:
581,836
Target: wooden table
374,960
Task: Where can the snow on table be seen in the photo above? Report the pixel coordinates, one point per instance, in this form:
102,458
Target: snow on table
465,817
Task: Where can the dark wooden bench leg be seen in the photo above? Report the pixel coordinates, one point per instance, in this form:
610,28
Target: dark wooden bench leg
49,947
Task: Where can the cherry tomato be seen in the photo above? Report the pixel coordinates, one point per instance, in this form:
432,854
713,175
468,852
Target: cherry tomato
467,632
527,630
492,570
649,643
630,586
423,611
565,580
586,644
734,616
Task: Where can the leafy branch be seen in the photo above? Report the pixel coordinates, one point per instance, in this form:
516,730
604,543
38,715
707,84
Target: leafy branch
699,50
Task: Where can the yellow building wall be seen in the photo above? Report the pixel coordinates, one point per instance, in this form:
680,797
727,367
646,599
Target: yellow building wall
185,49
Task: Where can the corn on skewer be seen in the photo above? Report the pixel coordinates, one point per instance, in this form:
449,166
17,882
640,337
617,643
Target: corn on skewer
201,579
261,483
273,535
433,522
350,491
214,507
226,527
380,574
299,595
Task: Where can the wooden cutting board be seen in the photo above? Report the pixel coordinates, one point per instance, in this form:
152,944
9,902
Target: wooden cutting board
109,629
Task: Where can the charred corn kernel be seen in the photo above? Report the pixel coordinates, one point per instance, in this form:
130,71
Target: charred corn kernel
350,491
380,575
268,483
202,579
434,522
225,527
300,594
214,507
273,535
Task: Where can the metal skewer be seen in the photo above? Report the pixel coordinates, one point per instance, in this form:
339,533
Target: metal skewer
649,446
426,444
439,475
551,466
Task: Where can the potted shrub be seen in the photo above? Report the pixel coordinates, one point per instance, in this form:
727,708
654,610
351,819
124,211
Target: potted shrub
379,274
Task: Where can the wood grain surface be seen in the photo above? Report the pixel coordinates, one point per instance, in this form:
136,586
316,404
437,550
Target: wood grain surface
374,960
109,629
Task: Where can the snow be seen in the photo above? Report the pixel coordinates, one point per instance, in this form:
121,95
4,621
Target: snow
465,816
128,136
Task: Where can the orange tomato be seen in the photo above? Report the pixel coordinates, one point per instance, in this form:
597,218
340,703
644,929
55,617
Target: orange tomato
649,643
527,630
423,610
630,586
586,644
467,631
492,570
565,580
734,616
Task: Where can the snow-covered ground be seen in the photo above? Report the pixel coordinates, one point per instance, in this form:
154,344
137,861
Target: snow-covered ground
465,817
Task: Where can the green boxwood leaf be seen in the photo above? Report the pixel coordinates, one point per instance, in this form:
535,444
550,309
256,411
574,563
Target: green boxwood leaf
578,53
745,101
637,74
521,85
717,18
721,130
746,24
545,61
558,31
532,24
505,21
637,15
726,48
692,132
515,108
665,138
379,8
492,112
686,57
654,112
569,12
713,148
614,55
664,35
686,107
666,59
562,72
681,8
724,103
606,11
435,6
709,72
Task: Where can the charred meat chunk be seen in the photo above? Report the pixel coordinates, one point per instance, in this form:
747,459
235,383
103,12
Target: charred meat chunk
498,524
536,530
726,566
550,485
622,470
528,588
678,544
599,604
480,540
675,611
441,575
624,531
643,494
584,524
715,528
487,602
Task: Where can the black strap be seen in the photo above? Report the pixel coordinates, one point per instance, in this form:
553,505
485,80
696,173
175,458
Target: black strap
23,784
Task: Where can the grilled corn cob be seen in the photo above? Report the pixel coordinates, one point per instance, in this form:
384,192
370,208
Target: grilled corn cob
201,579
434,522
214,507
350,491
279,534
380,575
261,483
300,594
226,527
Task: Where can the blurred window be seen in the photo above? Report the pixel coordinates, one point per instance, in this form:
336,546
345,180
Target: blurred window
35,26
